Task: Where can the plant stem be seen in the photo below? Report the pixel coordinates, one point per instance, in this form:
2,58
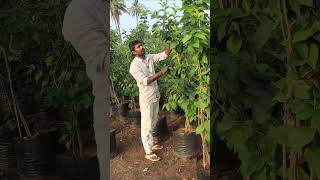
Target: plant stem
55,67
284,161
25,125
75,114
2,51
311,174
288,30
221,4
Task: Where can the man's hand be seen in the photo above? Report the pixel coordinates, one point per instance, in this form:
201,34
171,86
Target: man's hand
164,70
167,51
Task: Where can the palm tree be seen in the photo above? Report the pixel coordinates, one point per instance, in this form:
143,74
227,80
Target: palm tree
117,7
136,10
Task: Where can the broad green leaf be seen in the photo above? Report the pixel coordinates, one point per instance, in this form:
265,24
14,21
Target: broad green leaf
207,137
196,43
246,4
297,60
204,59
200,129
313,55
237,13
313,158
49,60
261,115
186,38
302,109
294,137
261,67
301,90
308,3
306,34
316,119
263,33
38,76
222,30
234,43
317,37
201,36
302,49
295,6
227,122
207,126
260,175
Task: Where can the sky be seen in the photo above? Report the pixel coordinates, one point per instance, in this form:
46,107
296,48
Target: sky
128,22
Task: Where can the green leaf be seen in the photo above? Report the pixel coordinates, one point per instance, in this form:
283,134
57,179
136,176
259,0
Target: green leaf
186,38
207,125
313,158
201,36
313,55
302,49
263,33
301,90
222,30
227,122
295,138
297,60
204,59
200,129
38,76
260,112
196,43
306,34
317,37
246,4
295,6
302,109
308,3
49,60
316,119
234,43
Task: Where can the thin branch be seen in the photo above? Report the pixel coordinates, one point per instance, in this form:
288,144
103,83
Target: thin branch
2,51
55,67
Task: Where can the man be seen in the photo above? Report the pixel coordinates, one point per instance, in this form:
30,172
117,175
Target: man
85,26
142,69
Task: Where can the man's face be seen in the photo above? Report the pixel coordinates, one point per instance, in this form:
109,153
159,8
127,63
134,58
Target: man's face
139,49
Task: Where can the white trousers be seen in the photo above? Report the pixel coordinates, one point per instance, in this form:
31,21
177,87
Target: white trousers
149,119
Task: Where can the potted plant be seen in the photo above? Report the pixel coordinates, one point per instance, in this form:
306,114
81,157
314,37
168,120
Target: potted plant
32,158
75,163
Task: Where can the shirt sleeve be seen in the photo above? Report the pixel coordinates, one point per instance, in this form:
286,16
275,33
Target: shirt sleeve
158,57
138,75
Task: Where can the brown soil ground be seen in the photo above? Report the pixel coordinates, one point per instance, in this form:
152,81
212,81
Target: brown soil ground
130,164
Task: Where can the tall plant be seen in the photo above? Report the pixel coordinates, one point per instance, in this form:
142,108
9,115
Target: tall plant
188,82
267,91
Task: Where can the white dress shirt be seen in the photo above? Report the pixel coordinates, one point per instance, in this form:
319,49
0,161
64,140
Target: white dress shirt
141,69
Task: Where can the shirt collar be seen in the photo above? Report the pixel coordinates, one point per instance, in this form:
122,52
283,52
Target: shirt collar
139,59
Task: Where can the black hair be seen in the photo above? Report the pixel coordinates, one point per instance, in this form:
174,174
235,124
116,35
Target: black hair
132,44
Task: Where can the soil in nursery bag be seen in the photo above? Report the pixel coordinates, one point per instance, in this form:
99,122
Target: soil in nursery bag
134,118
71,168
7,157
203,174
160,131
186,143
113,143
123,110
35,155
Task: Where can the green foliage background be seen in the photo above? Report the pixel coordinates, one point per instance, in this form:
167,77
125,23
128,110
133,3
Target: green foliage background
266,87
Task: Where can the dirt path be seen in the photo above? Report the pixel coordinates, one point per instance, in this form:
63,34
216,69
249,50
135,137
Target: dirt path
130,164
